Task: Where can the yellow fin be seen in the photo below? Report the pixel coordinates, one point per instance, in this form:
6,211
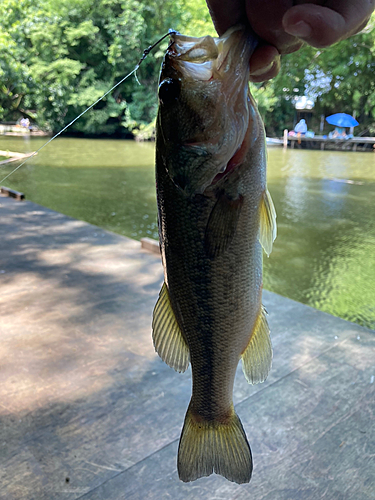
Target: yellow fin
257,357
210,446
268,229
168,340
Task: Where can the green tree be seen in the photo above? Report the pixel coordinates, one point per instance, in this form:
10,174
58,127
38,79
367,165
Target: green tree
59,57
339,79
14,79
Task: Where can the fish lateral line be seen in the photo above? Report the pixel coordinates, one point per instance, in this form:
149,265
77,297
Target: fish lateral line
144,55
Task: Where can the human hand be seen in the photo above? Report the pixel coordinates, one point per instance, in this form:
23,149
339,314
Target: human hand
284,25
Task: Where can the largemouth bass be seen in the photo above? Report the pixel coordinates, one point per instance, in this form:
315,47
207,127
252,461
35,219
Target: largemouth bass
215,214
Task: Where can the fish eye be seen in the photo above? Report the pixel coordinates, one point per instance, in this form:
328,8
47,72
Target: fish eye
169,90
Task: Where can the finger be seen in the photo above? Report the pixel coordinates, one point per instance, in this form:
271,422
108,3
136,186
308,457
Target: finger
265,18
321,26
254,12
264,63
226,14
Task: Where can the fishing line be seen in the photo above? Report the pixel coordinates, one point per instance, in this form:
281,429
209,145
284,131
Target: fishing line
144,55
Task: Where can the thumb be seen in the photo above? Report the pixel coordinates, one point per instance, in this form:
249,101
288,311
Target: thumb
323,26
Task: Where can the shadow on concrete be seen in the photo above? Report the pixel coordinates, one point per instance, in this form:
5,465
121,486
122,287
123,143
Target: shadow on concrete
88,410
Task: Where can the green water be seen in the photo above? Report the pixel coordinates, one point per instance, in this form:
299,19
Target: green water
325,202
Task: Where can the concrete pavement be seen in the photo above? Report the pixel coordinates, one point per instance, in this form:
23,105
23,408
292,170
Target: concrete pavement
88,410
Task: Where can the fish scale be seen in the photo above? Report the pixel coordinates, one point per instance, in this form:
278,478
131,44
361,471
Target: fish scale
214,214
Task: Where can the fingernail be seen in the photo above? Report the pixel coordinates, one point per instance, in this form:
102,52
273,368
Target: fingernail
262,71
300,29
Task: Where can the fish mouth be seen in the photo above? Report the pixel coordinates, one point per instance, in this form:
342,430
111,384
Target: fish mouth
207,58
205,81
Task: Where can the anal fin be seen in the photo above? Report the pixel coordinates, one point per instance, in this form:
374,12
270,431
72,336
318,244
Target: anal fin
257,357
268,228
168,340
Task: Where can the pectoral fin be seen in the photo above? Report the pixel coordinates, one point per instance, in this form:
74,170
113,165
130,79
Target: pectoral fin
257,357
222,225
168,340
268,229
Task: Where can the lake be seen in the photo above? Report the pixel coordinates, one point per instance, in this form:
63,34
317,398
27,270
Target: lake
325,202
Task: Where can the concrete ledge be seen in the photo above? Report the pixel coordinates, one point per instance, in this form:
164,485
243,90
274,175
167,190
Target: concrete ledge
12,193
150,245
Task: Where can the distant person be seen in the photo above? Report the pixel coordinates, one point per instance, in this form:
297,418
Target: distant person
339,133
301,127
25,123
283,26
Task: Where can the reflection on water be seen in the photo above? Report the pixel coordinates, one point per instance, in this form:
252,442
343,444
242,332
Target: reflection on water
325,202
109,183
324,253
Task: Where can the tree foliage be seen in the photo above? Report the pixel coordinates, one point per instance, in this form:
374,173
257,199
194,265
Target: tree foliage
57,58
339,78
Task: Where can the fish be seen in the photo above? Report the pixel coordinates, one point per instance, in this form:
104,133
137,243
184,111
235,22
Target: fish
215,214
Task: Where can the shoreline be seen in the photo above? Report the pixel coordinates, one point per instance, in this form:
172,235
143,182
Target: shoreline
14,156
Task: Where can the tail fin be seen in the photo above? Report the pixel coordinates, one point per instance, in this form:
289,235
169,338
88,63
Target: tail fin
210,446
